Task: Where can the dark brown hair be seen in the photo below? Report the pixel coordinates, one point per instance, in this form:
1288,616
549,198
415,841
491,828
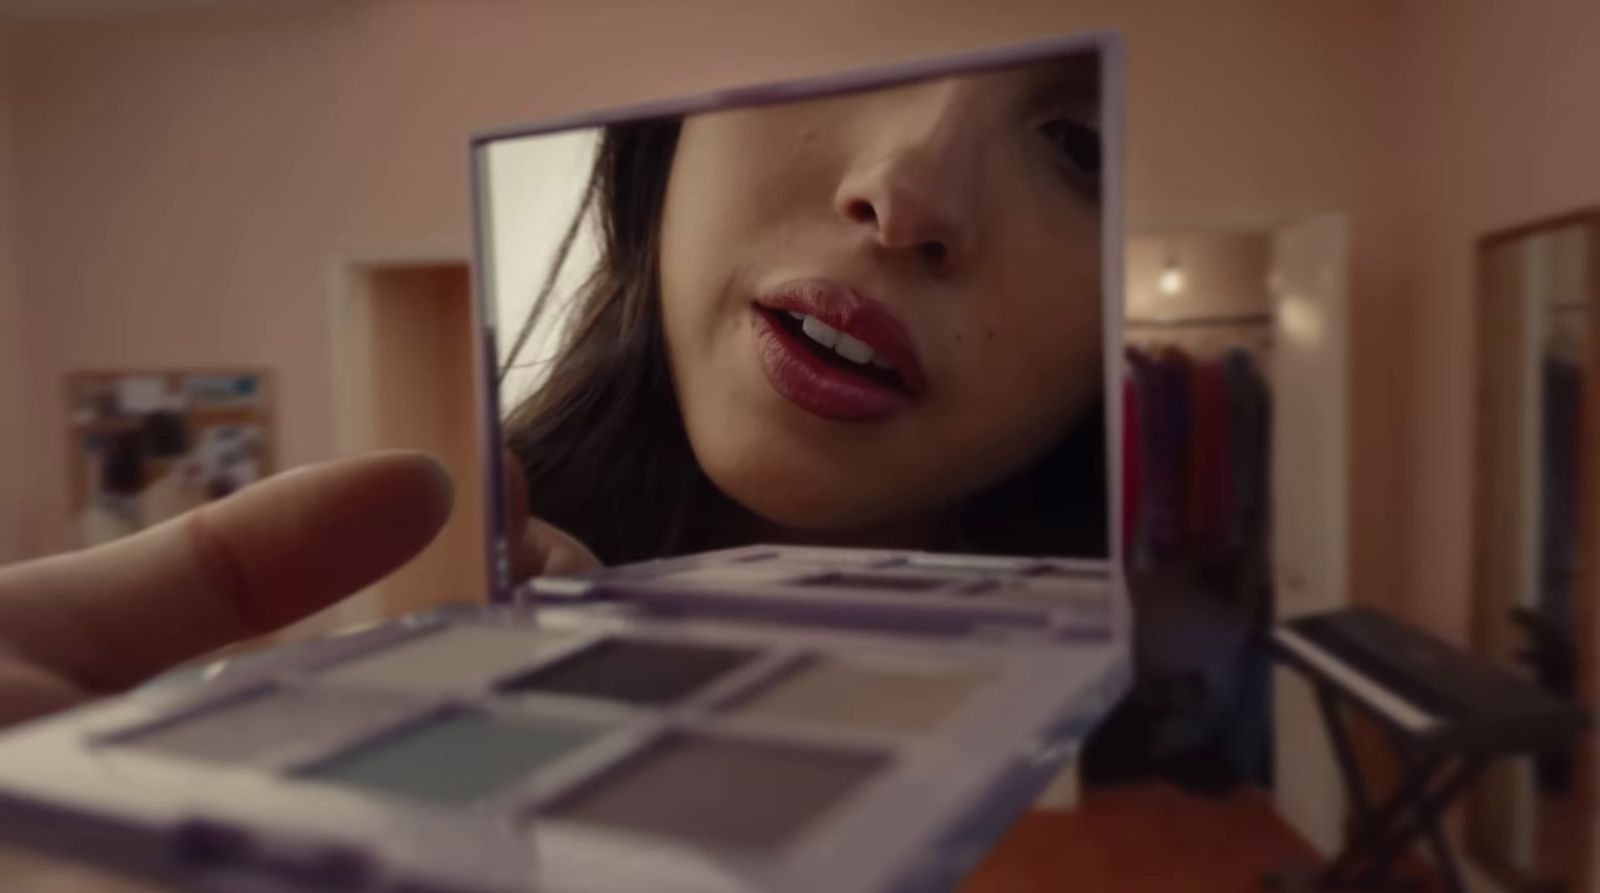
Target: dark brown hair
602,441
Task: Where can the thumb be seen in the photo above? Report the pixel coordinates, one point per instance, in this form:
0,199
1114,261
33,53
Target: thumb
553,551
538,547
268,555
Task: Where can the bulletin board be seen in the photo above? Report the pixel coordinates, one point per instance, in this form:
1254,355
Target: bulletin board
148,445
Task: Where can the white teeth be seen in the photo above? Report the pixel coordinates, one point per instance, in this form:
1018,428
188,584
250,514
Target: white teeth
851,349
820,332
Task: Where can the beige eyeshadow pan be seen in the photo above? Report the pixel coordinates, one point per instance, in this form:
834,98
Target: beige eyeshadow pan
869,695
455,658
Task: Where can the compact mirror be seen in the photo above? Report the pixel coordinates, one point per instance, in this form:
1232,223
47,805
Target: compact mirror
864,311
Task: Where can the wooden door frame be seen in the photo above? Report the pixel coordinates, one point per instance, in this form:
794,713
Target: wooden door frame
1586,616
348,276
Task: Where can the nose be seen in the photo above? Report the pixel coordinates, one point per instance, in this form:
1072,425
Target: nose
911,193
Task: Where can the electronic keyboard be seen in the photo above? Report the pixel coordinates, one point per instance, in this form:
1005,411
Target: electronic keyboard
1450,714
1431,691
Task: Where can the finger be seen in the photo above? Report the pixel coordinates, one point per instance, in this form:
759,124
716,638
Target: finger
271,554
554,551
538,547
27,691
523,564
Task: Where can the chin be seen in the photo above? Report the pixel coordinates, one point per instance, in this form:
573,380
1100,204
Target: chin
816,509
797,496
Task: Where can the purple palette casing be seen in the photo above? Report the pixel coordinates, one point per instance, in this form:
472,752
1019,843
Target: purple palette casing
608,736
776,719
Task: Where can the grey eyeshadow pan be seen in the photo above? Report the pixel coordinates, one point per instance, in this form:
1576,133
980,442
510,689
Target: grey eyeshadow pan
633,671
721,791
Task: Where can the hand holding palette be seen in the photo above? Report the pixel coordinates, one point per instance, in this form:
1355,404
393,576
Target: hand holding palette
667,726
769,719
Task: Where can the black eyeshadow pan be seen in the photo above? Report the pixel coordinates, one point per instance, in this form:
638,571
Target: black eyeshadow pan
632,671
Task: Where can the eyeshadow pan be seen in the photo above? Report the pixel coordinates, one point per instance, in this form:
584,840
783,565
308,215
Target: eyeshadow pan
722,792
633,671
454,759
886,582
268,720
892,697
459,657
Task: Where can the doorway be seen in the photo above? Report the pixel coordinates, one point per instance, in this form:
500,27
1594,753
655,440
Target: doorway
1245,516
405,377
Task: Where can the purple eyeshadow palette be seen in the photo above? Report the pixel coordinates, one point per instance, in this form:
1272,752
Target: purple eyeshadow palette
665,726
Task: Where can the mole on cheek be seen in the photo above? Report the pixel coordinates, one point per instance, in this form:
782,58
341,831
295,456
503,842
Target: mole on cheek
958,337
990,333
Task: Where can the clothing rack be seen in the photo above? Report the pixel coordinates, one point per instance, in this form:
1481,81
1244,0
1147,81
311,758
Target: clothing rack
1199,322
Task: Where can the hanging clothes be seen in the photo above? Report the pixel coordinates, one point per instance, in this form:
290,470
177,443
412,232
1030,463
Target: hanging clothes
1196,455
1141,503
1210,458
1168,471
1251,447
1132,461
1196,480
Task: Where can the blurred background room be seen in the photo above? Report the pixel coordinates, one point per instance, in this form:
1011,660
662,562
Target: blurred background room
1363,270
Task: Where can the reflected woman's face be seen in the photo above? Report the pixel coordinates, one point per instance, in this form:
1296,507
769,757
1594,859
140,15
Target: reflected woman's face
877,304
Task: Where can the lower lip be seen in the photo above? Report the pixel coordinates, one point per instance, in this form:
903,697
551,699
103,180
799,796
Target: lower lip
816,387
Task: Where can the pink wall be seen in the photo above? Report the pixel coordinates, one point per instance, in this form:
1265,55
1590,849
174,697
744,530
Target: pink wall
12,393
1224,274
1504,131
189,179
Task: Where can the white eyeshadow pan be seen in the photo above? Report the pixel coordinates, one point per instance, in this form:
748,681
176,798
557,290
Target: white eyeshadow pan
259,724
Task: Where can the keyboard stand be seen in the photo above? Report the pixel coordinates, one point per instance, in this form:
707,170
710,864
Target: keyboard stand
1386,832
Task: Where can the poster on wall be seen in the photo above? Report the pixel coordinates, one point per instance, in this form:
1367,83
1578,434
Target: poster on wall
147,446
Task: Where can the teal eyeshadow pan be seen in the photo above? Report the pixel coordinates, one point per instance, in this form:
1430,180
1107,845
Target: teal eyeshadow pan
453,759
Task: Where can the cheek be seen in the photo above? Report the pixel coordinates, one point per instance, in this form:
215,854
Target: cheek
741,184
1033,349
694,263
689,224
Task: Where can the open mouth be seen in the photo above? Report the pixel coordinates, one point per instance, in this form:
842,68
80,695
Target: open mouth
835,348
835,352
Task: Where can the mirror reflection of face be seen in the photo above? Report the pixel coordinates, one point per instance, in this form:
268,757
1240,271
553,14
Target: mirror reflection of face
879,303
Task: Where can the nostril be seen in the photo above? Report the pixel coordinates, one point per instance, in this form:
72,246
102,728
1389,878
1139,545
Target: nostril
861,211
933,252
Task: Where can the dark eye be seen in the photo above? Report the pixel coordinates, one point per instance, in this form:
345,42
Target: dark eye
1077,143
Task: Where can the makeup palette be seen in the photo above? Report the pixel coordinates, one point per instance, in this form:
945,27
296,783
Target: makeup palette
624,730
769,719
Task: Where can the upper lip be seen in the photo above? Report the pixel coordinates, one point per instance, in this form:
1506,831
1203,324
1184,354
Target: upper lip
841,307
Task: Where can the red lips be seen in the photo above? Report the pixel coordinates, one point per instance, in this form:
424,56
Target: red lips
833,389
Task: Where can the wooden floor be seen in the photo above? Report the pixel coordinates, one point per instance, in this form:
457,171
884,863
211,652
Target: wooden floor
1149,838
